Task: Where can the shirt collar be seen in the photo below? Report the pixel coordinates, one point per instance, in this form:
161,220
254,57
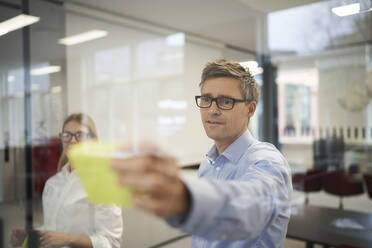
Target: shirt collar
212,154
66,169
234,151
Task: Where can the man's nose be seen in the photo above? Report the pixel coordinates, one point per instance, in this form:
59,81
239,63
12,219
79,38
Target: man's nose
214,108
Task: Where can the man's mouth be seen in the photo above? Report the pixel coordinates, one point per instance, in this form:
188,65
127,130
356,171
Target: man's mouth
214,122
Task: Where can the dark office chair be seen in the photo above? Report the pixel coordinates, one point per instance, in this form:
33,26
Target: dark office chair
311,181
368,181
320,156
354,169
342,184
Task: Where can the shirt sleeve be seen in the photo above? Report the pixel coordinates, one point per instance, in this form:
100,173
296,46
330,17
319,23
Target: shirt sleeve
240,209
108,226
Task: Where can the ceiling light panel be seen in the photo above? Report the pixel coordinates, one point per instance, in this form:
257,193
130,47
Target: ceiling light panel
83,37
17,22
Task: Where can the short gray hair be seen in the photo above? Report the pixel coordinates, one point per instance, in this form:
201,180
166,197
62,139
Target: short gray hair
223,68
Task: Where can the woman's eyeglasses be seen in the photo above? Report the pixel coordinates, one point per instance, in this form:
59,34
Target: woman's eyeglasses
79,136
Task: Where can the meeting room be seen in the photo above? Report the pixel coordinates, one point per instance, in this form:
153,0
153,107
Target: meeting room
174,124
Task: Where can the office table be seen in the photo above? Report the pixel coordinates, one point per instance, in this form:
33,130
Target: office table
314,224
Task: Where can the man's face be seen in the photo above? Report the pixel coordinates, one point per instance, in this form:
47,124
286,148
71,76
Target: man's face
224,126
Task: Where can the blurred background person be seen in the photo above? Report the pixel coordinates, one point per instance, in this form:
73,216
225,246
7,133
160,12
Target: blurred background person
69,219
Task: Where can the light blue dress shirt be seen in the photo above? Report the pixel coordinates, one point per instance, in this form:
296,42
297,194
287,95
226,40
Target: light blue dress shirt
242,198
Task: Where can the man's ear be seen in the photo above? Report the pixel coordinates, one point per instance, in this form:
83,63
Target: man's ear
251,108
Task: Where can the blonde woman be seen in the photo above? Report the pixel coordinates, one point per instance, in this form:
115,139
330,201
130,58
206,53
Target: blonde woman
69,219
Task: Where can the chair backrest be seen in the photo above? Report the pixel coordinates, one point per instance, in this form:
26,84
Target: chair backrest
354,168
308,182
341,184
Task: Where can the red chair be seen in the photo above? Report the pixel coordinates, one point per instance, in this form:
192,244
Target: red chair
342,184
368,181
45,156
311,181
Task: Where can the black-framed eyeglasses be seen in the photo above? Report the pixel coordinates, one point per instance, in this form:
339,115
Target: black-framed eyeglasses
222,102
79,136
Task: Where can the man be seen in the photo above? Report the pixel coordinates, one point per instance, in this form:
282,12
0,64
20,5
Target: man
242,198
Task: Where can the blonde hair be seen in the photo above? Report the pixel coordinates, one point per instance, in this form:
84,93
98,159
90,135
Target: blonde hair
82,119
223,68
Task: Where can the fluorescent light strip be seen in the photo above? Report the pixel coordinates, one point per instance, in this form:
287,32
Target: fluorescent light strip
45,70
17,22
3,31
346,10
83,37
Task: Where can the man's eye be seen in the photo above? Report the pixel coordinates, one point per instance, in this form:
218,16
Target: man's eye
225,100
206,99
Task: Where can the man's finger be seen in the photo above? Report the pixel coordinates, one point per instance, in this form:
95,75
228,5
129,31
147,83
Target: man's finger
134,164
143,163
150,183
151,204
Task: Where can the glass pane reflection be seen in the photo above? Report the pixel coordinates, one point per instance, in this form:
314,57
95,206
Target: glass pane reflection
139,79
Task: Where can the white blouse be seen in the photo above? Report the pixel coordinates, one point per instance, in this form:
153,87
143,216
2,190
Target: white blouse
67,209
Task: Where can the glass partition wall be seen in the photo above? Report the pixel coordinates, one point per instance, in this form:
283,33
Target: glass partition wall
135,66
324,86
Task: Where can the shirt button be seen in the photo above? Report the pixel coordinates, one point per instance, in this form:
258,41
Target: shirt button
223,236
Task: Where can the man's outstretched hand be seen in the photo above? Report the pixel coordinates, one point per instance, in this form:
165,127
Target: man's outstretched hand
155,182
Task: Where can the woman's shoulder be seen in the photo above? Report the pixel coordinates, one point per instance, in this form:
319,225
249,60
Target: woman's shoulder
55,179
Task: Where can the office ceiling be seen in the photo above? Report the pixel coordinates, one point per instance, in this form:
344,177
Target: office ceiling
238,23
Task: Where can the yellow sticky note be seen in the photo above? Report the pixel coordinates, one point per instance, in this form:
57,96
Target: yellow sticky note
91,161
